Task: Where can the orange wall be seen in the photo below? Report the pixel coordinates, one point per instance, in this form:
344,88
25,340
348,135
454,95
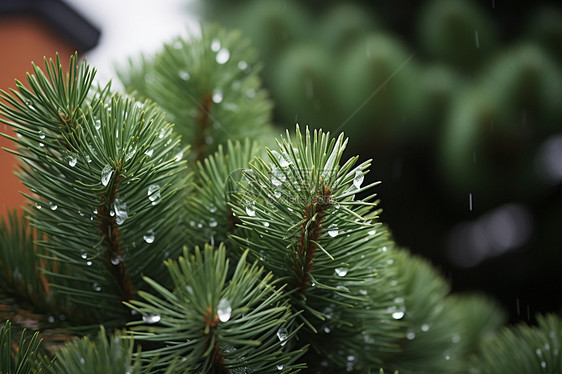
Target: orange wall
22,39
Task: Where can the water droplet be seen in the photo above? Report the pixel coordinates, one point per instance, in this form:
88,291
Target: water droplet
342,272
363,292
280,367
213,222
250,210
131,152
223,56
151,318
154,193
215,45
343,288
333,230
242,65
88,159
251,93
51,319
217,96
149,152
283,335
224,310
41,145
212,209
82,361
41,135
410,335
184,75
281,159
149,236
266,224
96,286
384,249
97,124
38,206
543,364
116,260
106,174
398,314
424,327
358,179
53,206
72,160
327,330
121,211
277,177
89,263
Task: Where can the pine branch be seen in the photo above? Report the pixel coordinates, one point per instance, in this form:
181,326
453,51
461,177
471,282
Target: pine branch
522,349
208,86
20,358
108,172
300,218
216,322
100,354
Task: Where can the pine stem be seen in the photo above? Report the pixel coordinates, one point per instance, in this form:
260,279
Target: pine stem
311,229
112,241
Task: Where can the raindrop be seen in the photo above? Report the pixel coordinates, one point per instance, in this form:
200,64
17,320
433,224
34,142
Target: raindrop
242,65
410,335
543,364
343,288
96,286
116,260
266,224
212,209
251,93
250,210
280,367
283,335
358,179
97,125
424,327
51,319
333,230
82,361
106,174
398,314
53,206
121,211
213,222
277,177
151,318
149,152
470,202
215,45
217,96
342,272
72,160
223,56
154,193
372,232
149,236
131,153
38,206
363,292
281,159
89,263
224,310
327,330
184,75
456,338
41,135
41,145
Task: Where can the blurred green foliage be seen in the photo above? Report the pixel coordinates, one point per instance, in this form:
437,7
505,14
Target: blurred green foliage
458,102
